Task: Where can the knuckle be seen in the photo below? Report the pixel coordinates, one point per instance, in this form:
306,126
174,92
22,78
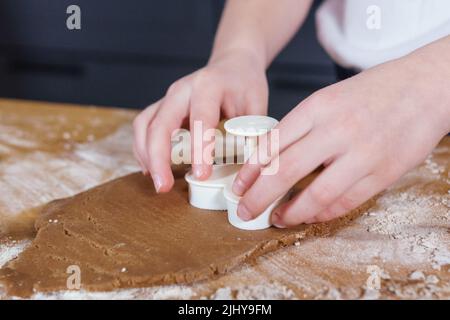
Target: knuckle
175,87
320,98
322,194
347,203
315,99
245,174
292,216
204,77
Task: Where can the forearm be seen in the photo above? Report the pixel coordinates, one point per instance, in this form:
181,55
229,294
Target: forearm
258,28
432,65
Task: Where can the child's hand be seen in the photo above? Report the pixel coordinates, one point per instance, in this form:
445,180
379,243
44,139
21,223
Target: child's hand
368,131
234,84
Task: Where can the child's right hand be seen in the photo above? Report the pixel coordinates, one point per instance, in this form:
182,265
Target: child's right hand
234,84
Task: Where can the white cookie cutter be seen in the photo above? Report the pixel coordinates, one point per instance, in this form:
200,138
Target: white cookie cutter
209,194
263,221
215,193
250,127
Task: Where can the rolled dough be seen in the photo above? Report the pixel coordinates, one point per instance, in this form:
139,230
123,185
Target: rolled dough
122,234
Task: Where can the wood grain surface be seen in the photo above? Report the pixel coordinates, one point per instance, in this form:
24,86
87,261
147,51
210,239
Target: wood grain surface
400,240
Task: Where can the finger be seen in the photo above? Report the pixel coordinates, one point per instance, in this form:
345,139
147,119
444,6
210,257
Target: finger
169,118
204,117
141,164
297,124
291,168
365,189
256,103
330,185
229,107
140,125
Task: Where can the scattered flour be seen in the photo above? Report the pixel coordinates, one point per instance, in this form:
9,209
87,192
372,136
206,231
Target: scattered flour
157,293
40,177
270,291
433,167
10,250
411,219
417,276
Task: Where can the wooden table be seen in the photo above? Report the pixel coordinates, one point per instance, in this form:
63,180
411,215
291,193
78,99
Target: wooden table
401,242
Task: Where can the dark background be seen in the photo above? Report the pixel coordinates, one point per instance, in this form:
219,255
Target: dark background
128,52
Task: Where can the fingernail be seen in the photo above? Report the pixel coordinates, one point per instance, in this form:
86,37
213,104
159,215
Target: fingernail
157,181
276,220
243,212
238,187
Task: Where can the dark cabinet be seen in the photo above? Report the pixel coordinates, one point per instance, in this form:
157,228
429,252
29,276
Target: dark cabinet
177,28
128,52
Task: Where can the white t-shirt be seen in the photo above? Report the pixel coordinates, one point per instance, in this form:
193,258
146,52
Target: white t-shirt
363,33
